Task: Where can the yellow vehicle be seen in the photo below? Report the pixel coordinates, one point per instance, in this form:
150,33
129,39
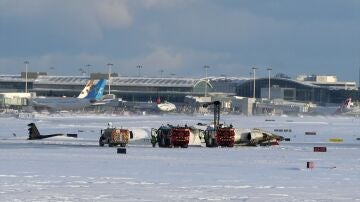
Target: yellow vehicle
115,136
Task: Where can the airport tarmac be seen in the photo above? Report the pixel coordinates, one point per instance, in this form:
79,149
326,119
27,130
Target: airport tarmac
79,170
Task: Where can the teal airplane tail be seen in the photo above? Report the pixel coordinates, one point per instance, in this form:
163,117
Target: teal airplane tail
97,90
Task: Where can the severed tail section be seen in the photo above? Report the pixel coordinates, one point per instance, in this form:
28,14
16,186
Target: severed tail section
34,133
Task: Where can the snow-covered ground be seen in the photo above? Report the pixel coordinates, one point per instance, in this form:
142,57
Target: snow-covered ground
79,170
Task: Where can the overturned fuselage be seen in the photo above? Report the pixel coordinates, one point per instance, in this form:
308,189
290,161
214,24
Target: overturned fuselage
254,137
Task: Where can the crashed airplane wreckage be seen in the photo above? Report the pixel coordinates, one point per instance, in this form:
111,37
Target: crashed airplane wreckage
256,137
34,133
228,136
176,136
212,136
184,136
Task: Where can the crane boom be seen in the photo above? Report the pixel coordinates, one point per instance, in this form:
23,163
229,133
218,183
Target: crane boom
217,106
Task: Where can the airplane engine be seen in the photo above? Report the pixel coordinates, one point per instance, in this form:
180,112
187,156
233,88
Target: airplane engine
253,135
242,135
195,136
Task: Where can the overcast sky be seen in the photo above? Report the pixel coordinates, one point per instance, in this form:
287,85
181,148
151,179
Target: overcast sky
181,36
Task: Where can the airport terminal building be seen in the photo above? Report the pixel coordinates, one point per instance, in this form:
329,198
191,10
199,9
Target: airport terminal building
299,90
127,88
327,90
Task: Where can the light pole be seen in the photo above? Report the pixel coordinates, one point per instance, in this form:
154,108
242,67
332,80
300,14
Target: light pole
161,72
254,71
269,70
206,67
26,76
139,67
109,66
52,70
82,71
250,84
88,68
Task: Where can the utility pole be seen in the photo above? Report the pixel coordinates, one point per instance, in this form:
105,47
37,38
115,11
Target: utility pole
26,76
109,66
139,67
254,70
359,79
206,67
51,69
88,68
269,70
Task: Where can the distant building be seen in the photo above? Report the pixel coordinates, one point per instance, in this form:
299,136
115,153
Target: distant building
330,82
321,90
315,89
14,100
280,106
279,93
127,88
32,75
243,105
96,76
285,88
226,85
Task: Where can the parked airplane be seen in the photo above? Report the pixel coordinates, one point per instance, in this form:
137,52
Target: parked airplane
71,103
166,106
151,106
348,108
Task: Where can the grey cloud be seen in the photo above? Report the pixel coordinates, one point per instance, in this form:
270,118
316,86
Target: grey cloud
179,36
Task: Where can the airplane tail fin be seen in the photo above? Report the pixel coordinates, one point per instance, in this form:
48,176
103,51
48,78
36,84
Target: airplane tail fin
97,91
86,89
33,131
158,100
347,104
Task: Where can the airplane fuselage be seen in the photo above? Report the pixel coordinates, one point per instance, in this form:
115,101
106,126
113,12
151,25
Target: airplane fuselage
57,104
71,103
151,106
166,107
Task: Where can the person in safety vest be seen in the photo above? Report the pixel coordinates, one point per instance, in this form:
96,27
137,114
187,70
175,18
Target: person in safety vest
153,140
